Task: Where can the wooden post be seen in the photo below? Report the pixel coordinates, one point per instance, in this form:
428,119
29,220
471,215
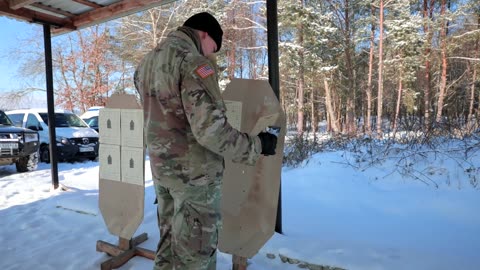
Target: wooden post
239,263
124,244
126,249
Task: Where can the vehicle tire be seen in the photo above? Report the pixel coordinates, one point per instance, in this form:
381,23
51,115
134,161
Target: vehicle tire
92,158
45,154
28,163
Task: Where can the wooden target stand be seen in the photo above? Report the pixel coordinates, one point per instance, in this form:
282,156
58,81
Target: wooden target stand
121,173
239,262
127,249
124,251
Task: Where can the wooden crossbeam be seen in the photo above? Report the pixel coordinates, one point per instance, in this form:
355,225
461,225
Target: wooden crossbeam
117,9
16,4
88,3
124,251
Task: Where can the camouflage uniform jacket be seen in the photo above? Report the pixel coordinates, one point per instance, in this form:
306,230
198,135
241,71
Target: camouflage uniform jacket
186,129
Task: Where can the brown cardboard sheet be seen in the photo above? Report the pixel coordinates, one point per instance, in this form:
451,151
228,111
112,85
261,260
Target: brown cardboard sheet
250,193
121,205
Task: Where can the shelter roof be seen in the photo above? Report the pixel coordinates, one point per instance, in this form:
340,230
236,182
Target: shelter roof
69,15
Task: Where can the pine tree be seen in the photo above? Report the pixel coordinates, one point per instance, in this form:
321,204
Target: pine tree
403,55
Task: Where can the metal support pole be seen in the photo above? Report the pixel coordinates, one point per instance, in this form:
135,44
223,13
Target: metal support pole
274,79
50,104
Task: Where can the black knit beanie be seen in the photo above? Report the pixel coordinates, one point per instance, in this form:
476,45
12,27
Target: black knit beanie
206,22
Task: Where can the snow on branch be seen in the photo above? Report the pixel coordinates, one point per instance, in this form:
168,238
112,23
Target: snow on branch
464,58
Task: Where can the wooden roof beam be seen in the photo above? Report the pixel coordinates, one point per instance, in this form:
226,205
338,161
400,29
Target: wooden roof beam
88,3
113,11
16,4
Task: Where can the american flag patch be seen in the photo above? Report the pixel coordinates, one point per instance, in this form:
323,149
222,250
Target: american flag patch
205,71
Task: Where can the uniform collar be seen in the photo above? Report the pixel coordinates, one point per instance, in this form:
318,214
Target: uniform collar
188,34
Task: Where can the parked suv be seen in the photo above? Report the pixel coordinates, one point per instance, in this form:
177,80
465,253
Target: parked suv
18,145
74,138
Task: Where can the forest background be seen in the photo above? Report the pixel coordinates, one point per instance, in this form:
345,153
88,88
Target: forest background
360,67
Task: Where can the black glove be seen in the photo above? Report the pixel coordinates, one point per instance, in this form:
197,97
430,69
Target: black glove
269,143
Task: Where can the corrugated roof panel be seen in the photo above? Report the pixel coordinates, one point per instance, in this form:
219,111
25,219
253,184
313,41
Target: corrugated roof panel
46,12
69,6
74,7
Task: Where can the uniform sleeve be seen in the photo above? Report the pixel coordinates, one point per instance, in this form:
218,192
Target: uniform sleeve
205,112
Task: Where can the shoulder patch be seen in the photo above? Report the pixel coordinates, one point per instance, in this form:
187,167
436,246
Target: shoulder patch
204,71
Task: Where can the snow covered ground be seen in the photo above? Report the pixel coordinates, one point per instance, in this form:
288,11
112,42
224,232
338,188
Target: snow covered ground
365,218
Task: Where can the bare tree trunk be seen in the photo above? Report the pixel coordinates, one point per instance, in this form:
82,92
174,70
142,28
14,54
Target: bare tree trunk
329,123
301,81
380,74
427,14
443,80
399,102
314,112
300,102
330,109
350,112
474,79
370,74
231,55
283,98
472,92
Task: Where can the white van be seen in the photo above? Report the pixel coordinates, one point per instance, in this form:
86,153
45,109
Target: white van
75,138
91,116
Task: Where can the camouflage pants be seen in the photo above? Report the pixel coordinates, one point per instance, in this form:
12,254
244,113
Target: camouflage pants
189,220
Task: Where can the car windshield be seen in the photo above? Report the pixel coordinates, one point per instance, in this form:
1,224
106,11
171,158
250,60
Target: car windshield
4,120
65,120
93,122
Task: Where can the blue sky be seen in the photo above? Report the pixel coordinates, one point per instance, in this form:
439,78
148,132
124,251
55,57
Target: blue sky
11,32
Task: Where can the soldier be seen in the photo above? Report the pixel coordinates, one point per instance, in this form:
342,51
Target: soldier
188,137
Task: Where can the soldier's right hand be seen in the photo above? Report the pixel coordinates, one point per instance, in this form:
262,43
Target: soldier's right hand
269,143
